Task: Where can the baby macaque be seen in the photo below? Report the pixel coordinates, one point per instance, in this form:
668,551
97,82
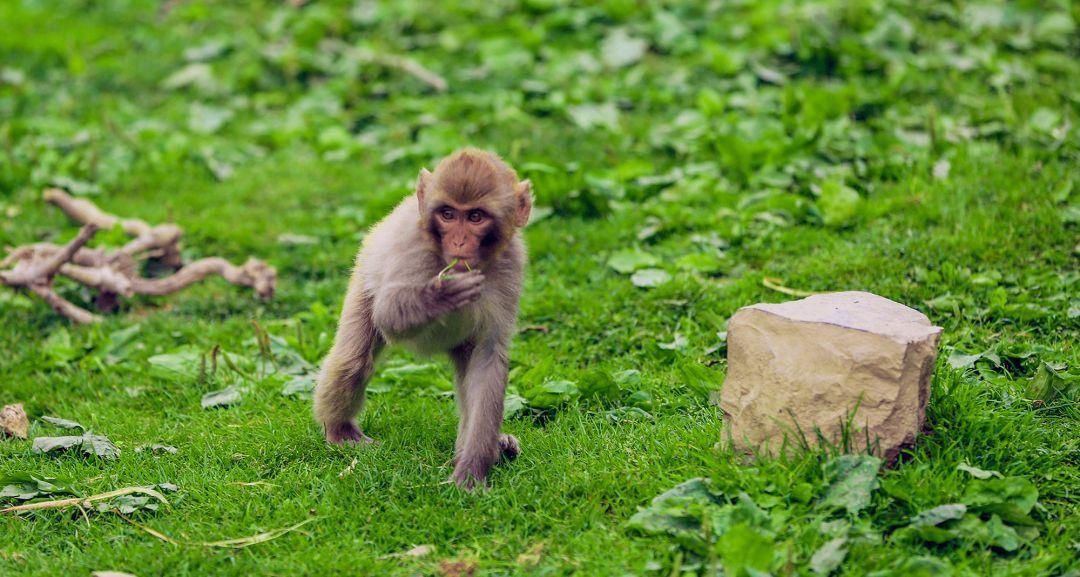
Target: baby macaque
442,272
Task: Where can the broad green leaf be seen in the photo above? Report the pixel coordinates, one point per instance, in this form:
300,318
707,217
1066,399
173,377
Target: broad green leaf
302,387
182,365
24,486
99,445
923,567
226,397
551,394
433,376
620,414
958,360
852,480
627,261
121,343
588,116
44,445
621,49
1052,385
1055,28
701,262
599,384
939,515
207,119
743,548
677,513
650,278
829,556
196,75
1011,498
88,443
991,533
134,502
63,423
627,377
514,405
640,399
839,204
208,50
678,343
1001,535
976,472
59,349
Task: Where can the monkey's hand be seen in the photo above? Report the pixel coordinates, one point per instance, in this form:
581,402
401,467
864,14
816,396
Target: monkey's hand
450,292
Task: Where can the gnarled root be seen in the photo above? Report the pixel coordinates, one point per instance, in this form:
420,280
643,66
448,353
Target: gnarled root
115,273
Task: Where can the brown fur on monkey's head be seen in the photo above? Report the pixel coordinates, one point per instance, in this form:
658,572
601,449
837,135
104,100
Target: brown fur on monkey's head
470,175
471,179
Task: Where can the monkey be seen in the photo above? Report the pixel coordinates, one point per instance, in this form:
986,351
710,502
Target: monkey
441,273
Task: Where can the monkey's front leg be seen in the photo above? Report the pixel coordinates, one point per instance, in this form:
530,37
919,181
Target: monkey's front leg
480,444
400,309
339,393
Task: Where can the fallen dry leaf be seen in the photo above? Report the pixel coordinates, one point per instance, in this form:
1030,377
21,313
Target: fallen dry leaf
532,556
13,421
415,553
449,568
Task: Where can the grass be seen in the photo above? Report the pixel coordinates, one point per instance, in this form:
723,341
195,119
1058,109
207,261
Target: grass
759,118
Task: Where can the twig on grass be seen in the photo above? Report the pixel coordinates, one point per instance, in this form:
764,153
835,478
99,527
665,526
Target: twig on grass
85,501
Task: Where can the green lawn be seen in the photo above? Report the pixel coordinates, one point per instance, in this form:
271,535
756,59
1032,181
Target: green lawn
929,155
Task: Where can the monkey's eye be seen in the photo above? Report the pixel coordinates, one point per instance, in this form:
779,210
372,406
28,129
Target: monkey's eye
476,216
447,214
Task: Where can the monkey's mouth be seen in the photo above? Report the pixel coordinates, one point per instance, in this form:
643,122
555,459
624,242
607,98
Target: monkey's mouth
461,264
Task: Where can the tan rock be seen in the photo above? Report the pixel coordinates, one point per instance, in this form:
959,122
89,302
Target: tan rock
13,421
800,368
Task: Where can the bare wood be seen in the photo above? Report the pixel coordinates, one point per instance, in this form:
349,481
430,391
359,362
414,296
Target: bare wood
86,212
159,237
19,253
162,241
101,278
63,306
40,270
406,65
254,273
415,69
113,273
85,256
85,502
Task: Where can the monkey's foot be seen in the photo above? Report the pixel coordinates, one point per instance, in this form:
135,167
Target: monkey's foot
509,447
347,434
468,481
471,473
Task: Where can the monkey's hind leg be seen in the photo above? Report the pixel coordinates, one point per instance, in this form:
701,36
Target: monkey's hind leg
480,444
339,393
509,448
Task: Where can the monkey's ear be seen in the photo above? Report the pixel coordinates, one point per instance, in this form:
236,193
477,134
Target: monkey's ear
523,192
422,183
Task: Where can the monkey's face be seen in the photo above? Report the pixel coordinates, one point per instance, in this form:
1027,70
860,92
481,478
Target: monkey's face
465,234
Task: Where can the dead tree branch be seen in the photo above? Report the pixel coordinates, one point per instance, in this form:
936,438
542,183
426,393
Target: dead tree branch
114,273
162,241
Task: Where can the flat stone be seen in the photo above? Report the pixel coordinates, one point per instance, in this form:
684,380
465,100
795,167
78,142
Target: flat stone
799,372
